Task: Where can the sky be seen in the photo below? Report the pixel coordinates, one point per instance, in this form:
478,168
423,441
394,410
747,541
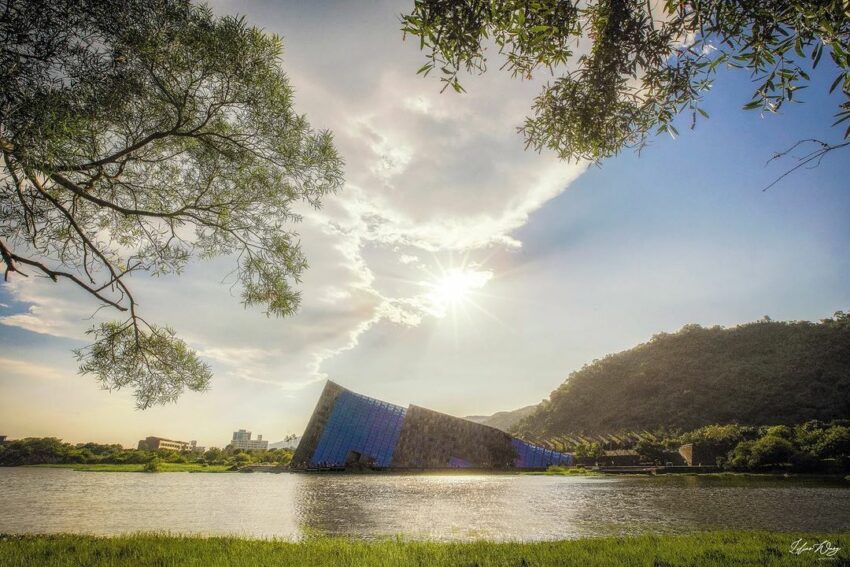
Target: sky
455,270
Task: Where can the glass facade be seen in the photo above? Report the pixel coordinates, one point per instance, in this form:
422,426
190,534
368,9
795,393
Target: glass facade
351,430
532,456
362,429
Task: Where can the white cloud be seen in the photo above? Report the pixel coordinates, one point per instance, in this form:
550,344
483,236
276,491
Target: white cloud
435,182
28,370
427,174
58,309
420,104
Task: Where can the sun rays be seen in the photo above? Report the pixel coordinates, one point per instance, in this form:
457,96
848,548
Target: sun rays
456,292
456,286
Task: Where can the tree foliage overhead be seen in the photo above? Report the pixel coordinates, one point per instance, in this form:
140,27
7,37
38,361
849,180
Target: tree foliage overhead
624,69
136,135
755,374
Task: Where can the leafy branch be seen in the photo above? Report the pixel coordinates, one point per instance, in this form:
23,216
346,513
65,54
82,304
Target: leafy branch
136,136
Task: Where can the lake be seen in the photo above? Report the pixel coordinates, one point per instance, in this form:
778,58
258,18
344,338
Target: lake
437,507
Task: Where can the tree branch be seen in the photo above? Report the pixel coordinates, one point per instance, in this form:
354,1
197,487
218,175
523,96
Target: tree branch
77,190
117,155
11,258
814,156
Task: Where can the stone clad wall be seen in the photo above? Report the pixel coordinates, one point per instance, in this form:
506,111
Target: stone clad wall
316,425
430,439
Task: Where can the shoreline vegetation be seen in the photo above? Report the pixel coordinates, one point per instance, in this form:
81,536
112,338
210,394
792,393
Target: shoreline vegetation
808,448
565,471
811,448
728,476
51,451
837,479
720,548
823,440
127,467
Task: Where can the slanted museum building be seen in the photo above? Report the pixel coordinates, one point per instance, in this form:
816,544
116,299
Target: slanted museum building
350,431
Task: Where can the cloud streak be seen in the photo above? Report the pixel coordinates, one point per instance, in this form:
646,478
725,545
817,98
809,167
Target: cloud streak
428,175
28,370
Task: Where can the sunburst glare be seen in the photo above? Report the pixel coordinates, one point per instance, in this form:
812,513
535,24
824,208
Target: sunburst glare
456,291
456,286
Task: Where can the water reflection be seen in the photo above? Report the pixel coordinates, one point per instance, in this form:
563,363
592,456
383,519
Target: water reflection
451,507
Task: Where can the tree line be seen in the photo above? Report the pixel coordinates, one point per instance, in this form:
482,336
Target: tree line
809,447
52,451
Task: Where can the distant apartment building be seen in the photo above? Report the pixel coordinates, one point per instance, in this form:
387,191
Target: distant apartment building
156,443
2,438
242,440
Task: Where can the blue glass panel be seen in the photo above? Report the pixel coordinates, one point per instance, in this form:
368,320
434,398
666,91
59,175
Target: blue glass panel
532,456
372,428
358,423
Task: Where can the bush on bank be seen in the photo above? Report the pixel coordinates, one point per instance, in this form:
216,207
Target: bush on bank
52,451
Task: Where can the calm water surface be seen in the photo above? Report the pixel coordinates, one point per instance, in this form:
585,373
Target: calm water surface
445,507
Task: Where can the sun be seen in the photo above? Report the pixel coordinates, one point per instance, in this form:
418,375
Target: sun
456,286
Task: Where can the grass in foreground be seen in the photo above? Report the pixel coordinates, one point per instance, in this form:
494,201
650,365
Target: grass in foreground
703,549
163,467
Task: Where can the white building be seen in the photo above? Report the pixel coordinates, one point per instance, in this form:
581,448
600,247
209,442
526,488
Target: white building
157,443
242,440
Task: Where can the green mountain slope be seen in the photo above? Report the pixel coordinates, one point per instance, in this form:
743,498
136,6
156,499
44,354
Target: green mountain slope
503,420
758,373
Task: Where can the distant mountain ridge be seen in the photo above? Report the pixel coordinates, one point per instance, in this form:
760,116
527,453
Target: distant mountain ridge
758,373
503,420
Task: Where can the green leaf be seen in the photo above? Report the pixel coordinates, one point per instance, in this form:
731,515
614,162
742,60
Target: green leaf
798,47
842,119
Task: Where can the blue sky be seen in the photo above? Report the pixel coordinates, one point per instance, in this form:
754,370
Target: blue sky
560,263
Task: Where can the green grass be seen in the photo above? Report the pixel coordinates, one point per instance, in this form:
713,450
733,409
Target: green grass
164,467
727,549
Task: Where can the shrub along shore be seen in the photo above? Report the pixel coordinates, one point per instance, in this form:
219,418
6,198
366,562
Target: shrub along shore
113,457
738,477
153,466
721,548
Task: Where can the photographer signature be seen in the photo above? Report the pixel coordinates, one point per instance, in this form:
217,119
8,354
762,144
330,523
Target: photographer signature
823,548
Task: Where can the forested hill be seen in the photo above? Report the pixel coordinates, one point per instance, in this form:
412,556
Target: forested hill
504,420
758,373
